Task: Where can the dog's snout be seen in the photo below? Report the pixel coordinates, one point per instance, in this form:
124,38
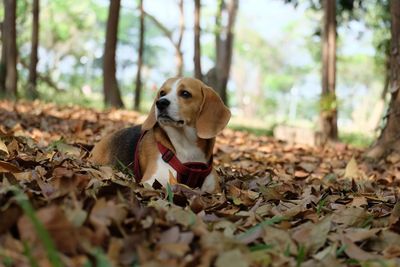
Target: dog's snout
162,103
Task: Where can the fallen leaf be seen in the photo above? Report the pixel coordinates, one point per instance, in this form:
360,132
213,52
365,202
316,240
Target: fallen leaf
360,234
3,148
232,258
351,170
64,235
313,236
355,252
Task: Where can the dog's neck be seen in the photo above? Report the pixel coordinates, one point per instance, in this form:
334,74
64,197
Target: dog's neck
186,145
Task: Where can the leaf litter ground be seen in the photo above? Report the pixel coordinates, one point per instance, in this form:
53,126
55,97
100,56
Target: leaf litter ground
281,205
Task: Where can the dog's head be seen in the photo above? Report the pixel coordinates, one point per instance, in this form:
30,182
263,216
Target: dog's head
188,102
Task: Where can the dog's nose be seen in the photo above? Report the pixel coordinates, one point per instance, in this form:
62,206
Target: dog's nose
162,103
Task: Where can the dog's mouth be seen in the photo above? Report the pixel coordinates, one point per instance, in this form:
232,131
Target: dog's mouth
167,120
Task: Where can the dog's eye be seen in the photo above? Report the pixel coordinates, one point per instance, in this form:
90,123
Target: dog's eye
162,93
185,94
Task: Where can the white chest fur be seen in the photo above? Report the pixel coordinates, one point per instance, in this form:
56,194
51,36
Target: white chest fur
185,144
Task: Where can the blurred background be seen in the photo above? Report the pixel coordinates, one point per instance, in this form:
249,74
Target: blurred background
317,66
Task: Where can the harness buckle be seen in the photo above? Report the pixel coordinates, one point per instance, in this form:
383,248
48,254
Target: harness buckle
167,156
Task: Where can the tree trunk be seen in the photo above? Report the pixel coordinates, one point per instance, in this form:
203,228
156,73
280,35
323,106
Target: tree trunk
197,47
3,60
387,76
218,76
138,90
112,96
389,140
328,103
179,53
32,91
11,46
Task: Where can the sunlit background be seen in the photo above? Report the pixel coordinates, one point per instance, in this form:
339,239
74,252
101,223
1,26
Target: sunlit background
275,75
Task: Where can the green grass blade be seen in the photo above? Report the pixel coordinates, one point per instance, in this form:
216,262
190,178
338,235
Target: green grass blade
41,231
170,194
28,254
101,258
260,247
272,221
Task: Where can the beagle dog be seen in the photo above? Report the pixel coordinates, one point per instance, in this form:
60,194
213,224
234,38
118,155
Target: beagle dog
175,142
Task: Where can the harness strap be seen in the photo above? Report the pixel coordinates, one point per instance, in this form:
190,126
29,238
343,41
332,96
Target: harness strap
191,174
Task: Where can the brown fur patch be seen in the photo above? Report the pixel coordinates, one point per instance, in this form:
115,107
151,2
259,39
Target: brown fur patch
101,151
148,153
189,108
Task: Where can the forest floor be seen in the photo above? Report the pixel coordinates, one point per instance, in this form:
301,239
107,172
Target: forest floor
281,205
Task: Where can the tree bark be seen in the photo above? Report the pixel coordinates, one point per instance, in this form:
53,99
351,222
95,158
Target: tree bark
389,139
179,53
11,46
112,96
328,112
138,90
197,45
32,91
3,60
218,76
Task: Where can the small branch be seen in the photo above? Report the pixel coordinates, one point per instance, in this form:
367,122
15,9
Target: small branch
166,32
44,78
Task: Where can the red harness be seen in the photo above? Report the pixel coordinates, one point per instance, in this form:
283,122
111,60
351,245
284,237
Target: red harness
191,174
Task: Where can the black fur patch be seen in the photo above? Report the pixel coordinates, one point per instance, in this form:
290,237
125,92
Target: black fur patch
123,146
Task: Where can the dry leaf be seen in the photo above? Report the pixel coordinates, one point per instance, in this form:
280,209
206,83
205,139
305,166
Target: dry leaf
3,148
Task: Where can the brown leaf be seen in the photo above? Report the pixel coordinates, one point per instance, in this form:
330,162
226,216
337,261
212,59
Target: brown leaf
313,236
301,174
395,217
359,201
3,148
239,196
280,239
360,234
232,258
8,167
64,235
354,252
351,170
105,212
350,216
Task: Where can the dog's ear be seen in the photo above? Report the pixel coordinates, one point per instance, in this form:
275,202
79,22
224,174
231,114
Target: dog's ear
213,116
151,118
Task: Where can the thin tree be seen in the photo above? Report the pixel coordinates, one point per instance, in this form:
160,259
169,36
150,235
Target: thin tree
3,60
179,53
328,103
10,7
389,139
32,91
112,96
177,44
197,46
218,76
138,89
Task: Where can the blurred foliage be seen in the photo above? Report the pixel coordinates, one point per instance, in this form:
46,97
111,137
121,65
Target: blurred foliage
345,9
359,140
72,42
379,20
